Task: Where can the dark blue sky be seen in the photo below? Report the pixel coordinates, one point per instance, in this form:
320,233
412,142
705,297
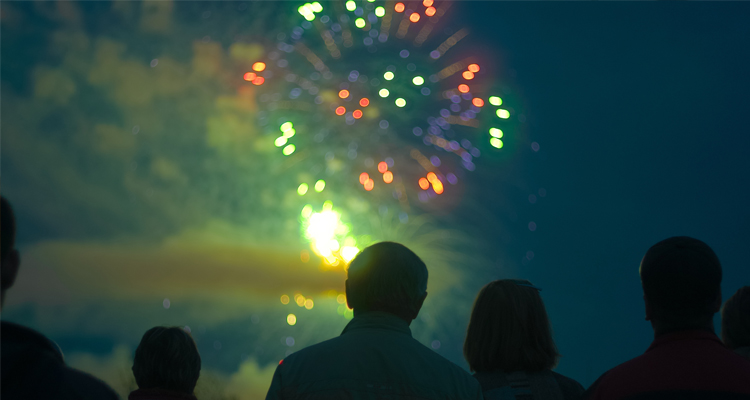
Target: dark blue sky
641,113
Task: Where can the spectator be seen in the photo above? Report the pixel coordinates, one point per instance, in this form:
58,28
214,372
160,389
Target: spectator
375,356
32,365
681,280
509,345
735,322
166,365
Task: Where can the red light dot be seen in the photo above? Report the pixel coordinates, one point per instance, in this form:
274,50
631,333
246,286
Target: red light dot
340,110
364,102
369,184
424,184
463,88
259,66
431,177
281,361
388,177
468,75
473,68
477,102
344,94
427,3
258,80
430,11
249,76
382,167
357,114
414,17
364,177
399,7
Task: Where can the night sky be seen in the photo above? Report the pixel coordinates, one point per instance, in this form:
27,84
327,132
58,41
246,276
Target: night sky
639,111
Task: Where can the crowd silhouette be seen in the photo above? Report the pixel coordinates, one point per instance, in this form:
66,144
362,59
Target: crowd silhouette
509,344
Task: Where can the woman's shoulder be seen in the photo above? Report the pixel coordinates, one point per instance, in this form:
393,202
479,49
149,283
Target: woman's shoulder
570,387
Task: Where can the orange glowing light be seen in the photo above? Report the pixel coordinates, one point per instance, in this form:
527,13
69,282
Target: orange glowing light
414,17
399,7
259,66
438,187
344,93
468,75
258,80
340,110
388,177
357,114
473,68
431,177
427,3
364,177
477,102
369,184
430,11
463,88
382,167
424,184
364,102
249,76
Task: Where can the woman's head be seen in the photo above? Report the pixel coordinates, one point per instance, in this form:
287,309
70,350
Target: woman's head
735,319
509,329
167,358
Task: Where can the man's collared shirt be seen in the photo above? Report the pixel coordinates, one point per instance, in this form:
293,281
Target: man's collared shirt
374,358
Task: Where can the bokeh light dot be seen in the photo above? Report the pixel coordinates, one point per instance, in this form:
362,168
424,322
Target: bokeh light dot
418,80
364,102
302,189
380,11
463,88
399,7
430,11
364,177
424,183
249,76
497,143
400,102
388,75
320,185
414,17
357,114
288,150
495,101
477,102
340,110
468,75
504,114
388,177
473,68
259,66
343,93
291,319
384,93
284,299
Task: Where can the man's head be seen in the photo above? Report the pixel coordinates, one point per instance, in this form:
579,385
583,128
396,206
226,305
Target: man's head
10,257
681,279
168,359
387,277
735,319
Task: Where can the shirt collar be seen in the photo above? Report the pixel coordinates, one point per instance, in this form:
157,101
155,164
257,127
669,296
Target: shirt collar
377,320
692,334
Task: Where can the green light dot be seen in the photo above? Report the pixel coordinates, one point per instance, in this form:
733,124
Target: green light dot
370,1
495,142
289,149
384,92
351,5
328,204
504,114
307,211
280,141
388,75
496,132
309,17
302,189
400,102
316,7
380,11
496,101
320,185
360,23
418,80
289,133
286,126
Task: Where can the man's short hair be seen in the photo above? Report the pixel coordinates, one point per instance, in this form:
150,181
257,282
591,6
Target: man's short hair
735,319
8,222
681,279
167,358
388,277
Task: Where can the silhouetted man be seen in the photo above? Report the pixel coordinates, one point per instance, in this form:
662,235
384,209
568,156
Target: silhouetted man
681,279
375,357
32,365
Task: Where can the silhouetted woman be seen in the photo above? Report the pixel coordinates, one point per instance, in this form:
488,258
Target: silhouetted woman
735,322
510,348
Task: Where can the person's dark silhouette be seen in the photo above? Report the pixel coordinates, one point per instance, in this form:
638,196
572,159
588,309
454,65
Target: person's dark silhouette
735,322
681,280
509,345
166,365
32,365
376,357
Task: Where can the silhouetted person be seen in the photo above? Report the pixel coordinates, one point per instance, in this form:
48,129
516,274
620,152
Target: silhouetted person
735,322
166,365
509,345
375,357
32,365
681,280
